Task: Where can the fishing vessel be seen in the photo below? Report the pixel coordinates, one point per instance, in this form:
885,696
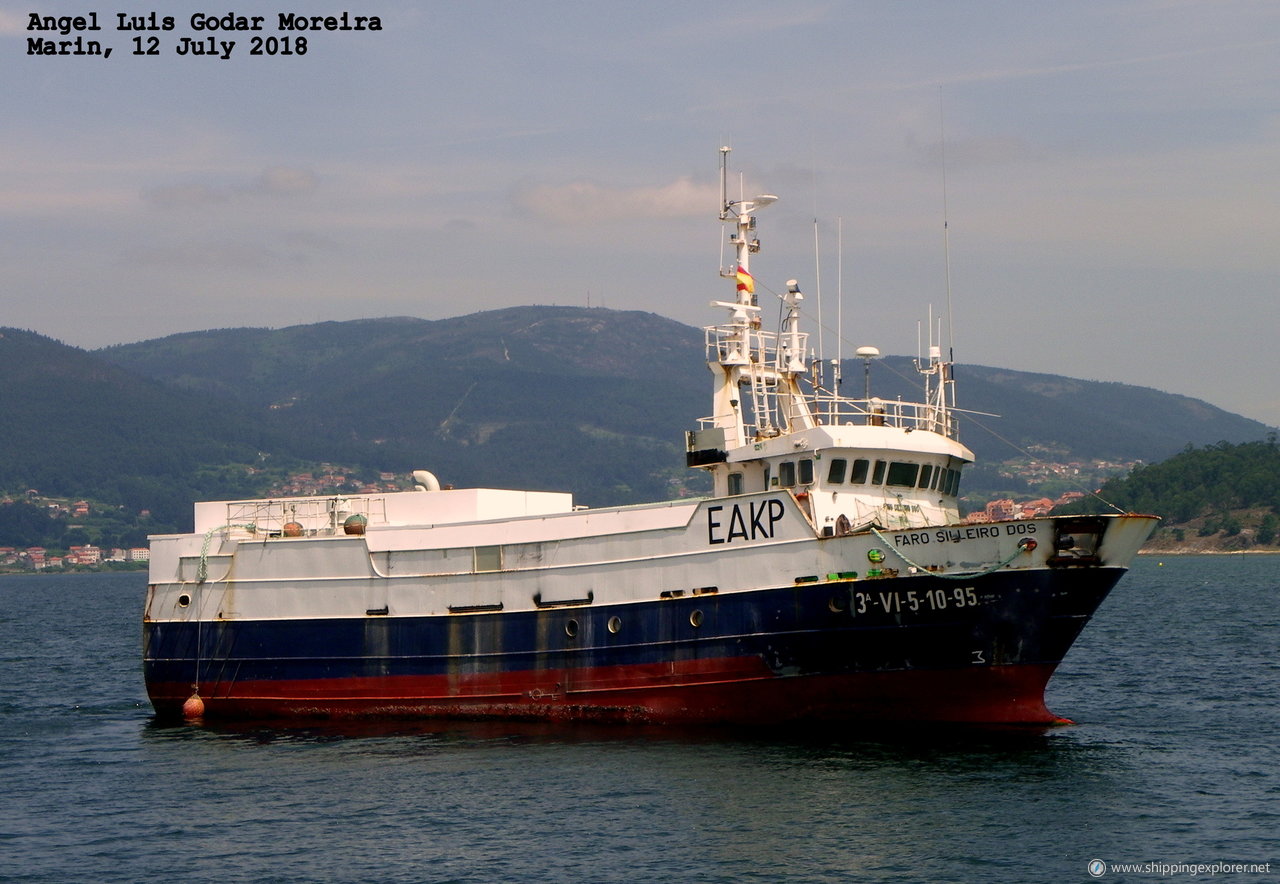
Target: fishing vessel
828,577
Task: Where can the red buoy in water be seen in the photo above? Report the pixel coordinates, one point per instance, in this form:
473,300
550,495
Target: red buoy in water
193,708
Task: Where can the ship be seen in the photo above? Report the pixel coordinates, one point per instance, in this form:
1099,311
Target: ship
828,577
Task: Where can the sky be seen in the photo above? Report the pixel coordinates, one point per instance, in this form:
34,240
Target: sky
1107,173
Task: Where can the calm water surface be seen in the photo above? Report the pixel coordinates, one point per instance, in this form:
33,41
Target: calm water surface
1175,759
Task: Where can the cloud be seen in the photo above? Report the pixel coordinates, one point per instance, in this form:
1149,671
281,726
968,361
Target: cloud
177,196
285,181
976,152
275,181
204,256
766,20
587,202
988,75
12,24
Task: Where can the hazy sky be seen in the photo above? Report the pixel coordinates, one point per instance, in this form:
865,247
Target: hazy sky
1112,173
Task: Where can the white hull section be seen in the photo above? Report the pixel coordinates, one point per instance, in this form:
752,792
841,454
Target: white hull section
607,556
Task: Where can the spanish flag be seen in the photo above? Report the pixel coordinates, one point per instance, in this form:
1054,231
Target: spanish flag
746,282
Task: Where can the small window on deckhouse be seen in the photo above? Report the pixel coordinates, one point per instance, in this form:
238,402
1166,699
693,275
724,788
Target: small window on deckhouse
861,466
926,475
835,473
488,558
735,483
952,482
902,474
806,472
877,476
787,473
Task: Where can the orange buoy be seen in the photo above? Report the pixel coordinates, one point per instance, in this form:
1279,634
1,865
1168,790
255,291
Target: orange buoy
193,709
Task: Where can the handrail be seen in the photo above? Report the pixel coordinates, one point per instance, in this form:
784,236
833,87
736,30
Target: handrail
314,514
763,354
832,410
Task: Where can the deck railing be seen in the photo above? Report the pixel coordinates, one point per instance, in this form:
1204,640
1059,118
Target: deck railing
765,356
315,515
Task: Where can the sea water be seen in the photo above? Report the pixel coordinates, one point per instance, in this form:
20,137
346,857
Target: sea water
1173,768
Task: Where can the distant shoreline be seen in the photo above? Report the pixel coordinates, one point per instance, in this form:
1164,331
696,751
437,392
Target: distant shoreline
1208,552
5,572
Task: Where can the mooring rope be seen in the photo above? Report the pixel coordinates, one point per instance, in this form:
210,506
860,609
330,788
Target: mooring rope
202,572
967,576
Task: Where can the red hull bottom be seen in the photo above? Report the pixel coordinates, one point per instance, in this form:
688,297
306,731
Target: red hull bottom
982,695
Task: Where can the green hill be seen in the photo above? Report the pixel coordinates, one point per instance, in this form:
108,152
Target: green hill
572,369
1221,496
75,424
593,401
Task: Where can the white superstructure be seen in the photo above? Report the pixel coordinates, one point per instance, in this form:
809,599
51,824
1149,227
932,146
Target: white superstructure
854,462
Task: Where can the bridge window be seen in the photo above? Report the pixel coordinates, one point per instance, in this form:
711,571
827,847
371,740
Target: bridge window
735,485
877,475
787,473
903,474
835,474
859,474
926,475
952,484
806,472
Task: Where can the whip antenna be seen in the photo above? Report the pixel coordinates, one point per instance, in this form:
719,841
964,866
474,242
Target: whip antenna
946,233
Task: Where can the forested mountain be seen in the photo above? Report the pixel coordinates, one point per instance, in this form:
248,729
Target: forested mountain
593,401
1223,489
618,388
72,423
551,398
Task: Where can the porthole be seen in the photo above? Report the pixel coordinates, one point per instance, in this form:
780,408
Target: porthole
615,624
836,605
571,628
695,619
184,600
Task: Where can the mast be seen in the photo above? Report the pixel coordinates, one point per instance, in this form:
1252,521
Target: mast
733,343
767,397
748,364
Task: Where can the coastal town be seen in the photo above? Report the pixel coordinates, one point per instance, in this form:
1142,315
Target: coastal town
1003,509
37,558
